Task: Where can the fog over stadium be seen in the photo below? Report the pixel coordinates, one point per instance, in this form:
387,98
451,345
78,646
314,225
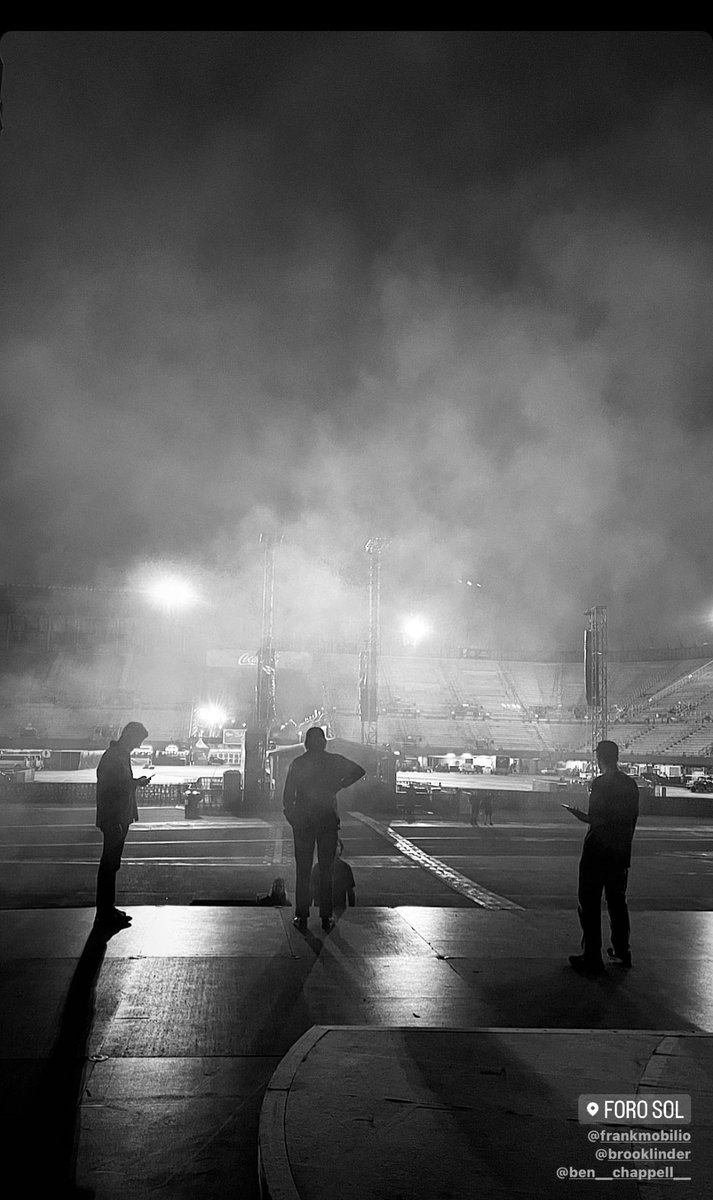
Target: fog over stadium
450,288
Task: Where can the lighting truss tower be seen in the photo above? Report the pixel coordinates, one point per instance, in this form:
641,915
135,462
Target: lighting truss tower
265,688
257,777
369,660
595,675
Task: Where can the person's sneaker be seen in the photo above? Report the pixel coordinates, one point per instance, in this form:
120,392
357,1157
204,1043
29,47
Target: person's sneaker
623,960
300,923
584,967
327,924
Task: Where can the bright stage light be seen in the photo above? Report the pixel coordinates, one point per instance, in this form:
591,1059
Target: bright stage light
171,593
211,714
415,629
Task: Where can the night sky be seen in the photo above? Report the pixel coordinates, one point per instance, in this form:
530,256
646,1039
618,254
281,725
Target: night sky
450,288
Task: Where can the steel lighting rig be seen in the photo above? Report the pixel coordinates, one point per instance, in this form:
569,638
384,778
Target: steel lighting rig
257,778
595,675
369,659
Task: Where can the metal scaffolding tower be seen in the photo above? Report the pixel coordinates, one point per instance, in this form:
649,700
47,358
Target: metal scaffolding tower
369,659
595,676
257,779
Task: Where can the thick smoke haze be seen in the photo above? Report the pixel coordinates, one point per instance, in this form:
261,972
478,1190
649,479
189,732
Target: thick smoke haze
454,289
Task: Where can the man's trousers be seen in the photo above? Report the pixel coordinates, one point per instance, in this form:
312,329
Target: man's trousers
597,875
108,866
324,832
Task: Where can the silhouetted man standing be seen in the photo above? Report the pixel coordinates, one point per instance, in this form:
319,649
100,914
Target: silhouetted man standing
474,802
486,807
116,809
604,865
310,804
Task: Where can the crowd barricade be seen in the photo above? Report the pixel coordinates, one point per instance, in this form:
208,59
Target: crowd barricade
84,794
444,803
161,794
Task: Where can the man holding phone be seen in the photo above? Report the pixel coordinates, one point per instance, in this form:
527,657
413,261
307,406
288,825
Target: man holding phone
116,809
605,861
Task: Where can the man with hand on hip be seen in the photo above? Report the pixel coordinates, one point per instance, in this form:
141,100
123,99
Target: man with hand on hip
310,804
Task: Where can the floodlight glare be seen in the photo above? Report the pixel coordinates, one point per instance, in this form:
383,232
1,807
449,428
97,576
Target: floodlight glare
416,628
211,714
171,593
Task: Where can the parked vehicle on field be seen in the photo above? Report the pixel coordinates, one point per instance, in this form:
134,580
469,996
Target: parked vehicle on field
654,777
702,783
171,756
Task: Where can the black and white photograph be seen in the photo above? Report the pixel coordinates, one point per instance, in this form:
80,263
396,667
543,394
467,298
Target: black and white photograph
356,401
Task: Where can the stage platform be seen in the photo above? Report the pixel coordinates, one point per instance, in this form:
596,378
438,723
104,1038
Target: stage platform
410,1052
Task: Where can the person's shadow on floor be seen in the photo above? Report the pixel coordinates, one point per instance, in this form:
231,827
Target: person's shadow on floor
55,1123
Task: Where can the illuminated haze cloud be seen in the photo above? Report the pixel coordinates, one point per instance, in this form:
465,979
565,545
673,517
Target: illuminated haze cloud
453,289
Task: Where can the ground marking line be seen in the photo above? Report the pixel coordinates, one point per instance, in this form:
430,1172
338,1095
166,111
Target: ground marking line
459,883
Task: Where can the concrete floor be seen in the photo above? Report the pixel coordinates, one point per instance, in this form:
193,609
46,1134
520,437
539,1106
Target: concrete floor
140,1063
460,1113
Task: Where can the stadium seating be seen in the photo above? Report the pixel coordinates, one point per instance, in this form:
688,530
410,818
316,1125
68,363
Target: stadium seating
69,688
496,703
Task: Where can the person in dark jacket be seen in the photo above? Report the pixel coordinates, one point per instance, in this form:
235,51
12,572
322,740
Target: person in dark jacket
116,810
310,806
605,861
474,802
486,807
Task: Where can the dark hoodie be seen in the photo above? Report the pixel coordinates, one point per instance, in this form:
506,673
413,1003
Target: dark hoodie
116,789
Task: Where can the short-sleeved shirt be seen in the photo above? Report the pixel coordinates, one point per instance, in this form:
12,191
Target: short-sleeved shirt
613,813
313,781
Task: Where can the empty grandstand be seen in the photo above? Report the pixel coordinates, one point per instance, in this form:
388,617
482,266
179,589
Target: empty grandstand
76,665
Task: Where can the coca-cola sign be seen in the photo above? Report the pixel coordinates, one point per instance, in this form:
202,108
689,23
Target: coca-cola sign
226,659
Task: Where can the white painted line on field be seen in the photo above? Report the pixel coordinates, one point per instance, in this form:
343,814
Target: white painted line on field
459,883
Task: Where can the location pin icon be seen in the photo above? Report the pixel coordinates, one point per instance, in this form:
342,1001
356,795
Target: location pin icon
592,1108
